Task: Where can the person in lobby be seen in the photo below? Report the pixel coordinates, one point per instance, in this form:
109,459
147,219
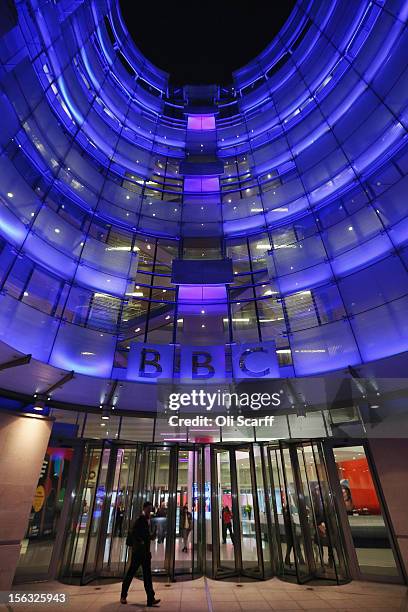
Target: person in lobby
139,539
119,517
226,519
291,544
321,538
186,524
161,521
347,497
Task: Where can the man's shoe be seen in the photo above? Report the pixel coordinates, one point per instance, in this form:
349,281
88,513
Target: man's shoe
123,600
153,602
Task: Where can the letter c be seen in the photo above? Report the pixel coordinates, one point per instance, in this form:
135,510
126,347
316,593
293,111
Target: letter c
243,367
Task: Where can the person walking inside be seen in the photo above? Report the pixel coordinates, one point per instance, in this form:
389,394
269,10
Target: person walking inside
291,544
186,523
139,540
226,524
161,520
119,516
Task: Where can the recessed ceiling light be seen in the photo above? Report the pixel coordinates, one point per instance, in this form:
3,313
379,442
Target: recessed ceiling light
57,230
10,194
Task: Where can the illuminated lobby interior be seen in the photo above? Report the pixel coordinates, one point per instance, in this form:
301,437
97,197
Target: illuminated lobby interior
155,235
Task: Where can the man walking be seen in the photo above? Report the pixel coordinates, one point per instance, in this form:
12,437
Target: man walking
139,539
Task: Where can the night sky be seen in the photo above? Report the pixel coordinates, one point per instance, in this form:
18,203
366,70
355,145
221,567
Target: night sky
203,42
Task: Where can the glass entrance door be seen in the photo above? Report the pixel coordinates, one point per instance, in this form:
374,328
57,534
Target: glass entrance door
288,508
158,486
189,529
84,528
237,533
305,520
371,548
125,465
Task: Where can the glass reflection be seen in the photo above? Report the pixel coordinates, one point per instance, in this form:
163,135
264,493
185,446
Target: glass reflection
368,528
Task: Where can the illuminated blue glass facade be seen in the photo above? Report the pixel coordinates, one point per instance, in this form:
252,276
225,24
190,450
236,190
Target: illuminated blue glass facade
297,173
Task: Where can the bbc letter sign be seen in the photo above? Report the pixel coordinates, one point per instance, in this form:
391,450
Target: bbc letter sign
153,362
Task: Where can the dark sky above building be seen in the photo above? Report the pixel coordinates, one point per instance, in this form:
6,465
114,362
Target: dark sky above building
203,42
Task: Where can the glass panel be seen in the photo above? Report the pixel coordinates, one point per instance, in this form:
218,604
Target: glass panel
276,491
80,527
322,530
95,427
120,511
260,491
95,523
36,547
294,536
137,429
225,518
368,529
246,512
187,511
208,552
156,490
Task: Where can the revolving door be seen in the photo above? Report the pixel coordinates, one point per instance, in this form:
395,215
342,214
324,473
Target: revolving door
255,510
307,529
115,481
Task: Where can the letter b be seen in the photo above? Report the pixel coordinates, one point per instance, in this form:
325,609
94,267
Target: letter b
203,364
154,362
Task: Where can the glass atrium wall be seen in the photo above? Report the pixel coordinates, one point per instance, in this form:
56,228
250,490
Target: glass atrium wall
310,206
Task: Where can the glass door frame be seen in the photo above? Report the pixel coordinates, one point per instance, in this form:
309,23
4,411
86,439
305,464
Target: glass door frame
140,497
86,576
60,540
238,570
74,513
198,528
260,574
292,448
216,513
311,573
354,568
130,499
63,555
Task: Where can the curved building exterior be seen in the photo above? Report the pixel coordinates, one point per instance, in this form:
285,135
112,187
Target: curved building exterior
260,229
298,176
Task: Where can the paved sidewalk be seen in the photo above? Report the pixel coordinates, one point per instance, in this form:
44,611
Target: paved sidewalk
205,595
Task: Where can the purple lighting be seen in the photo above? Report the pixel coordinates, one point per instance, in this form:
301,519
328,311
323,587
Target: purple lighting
201,122
138,217
194,184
